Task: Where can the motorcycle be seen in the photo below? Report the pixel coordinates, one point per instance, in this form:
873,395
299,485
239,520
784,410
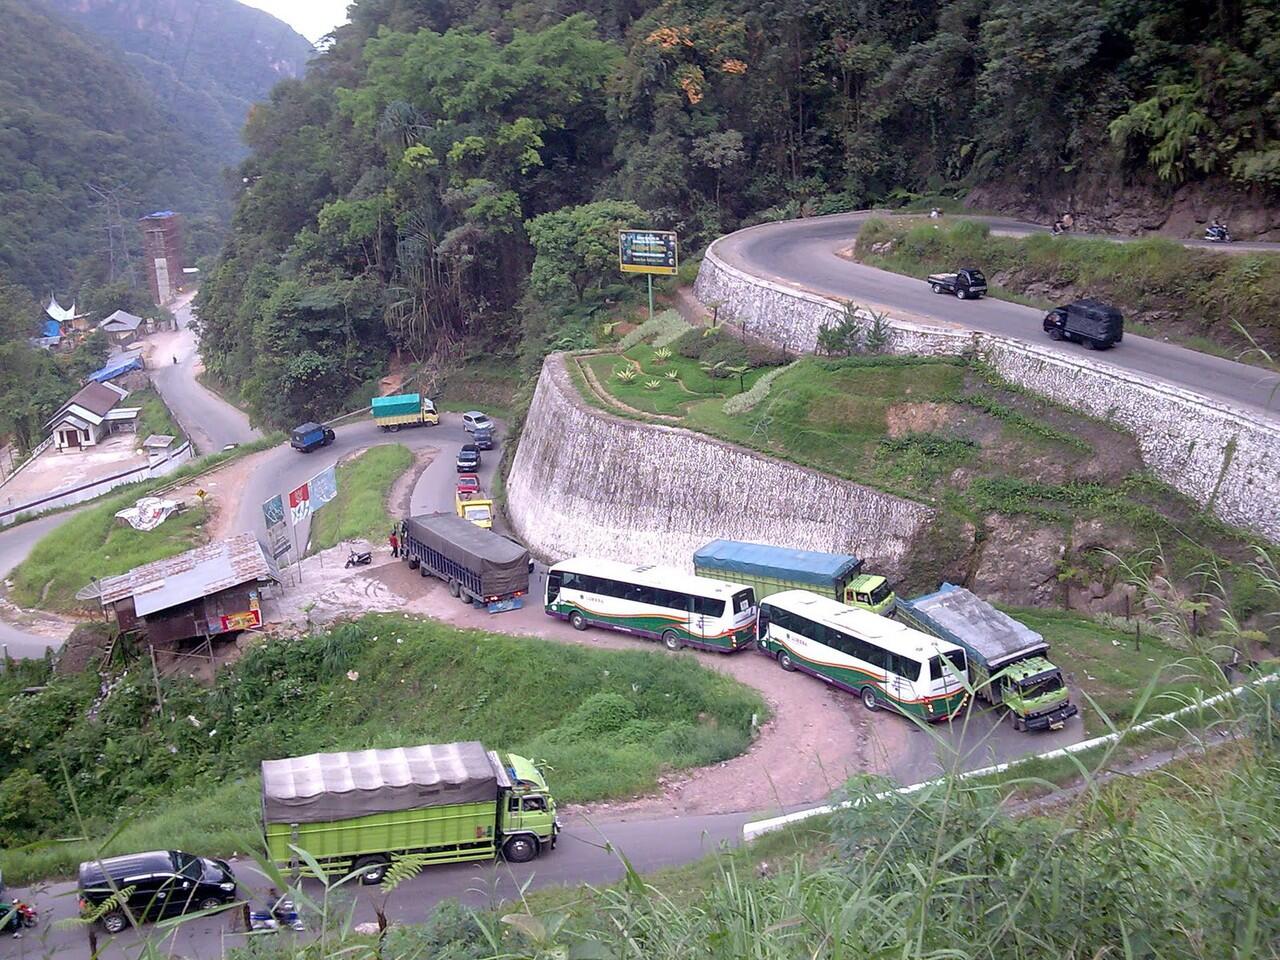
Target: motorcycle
275,914
935,214
1217,233
1058,229
358,559
18,916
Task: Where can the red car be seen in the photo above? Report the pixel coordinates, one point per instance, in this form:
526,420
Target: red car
468,485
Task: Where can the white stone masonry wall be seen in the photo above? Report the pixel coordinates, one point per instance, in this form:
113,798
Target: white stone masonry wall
1212,452
585,482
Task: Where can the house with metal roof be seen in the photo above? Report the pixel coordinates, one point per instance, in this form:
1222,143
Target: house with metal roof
206,592
91,416
121,326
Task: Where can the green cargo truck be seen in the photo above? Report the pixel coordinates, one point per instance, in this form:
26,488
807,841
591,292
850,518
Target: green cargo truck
360,811
772,570
404,410
1008,662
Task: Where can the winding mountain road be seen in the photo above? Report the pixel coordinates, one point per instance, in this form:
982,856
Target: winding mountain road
805,254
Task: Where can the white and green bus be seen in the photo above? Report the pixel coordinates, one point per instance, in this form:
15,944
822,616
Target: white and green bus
657,602
883,661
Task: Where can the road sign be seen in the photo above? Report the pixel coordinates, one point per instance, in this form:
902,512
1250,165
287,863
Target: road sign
273,511
324,487
647,251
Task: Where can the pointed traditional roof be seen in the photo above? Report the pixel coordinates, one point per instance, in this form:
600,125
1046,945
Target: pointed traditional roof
58,312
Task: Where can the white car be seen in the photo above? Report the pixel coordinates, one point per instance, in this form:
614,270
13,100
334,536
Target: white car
474,420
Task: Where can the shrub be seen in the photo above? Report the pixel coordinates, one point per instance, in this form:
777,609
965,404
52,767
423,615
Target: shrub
745,401
662,354
725,350
664,328
652,384
626,374
765,355
672,374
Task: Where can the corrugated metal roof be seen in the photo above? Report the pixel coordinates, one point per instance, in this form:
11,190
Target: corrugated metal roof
120,320
197,573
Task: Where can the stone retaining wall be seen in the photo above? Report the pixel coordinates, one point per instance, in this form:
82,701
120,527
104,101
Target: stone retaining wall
1214,453
586,482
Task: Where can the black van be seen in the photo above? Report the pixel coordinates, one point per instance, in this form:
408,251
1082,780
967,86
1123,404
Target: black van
164,883
1096,324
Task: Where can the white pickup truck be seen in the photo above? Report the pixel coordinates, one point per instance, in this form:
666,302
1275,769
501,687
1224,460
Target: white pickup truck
966,283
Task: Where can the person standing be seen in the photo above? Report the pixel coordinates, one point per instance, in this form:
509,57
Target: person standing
395,544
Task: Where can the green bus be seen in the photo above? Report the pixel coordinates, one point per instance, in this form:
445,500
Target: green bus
884,662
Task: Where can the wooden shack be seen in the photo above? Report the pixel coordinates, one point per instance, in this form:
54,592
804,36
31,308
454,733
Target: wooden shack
211,590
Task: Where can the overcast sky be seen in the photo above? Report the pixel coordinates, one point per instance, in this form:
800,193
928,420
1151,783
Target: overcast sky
311,18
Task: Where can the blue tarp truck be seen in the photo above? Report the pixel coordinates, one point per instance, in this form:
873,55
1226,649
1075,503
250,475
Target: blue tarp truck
478,565
774,569
403,410
1008,665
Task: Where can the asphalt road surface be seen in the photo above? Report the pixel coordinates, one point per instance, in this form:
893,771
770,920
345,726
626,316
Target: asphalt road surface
803,253
15,543
205,417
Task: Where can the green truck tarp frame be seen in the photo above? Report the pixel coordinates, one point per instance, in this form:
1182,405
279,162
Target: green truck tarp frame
502,565
955,614
324,787
402,404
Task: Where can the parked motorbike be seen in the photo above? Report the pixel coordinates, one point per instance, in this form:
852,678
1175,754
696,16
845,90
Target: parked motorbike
358,559
935,214
1217,233
275,913
18,916
1058,228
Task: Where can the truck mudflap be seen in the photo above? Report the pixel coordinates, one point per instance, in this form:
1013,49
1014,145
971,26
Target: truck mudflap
511,603
1053,720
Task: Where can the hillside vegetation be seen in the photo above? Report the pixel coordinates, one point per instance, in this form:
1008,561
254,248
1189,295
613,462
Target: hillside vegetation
1192,294
603,724
452,171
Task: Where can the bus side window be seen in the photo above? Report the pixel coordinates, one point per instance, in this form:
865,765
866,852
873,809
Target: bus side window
553,586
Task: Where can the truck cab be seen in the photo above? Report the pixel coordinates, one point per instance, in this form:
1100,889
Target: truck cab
870,592
474,509
967,283
1034,692
529,821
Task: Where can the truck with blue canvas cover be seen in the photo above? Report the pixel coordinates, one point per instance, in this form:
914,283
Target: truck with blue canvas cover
1008,662
769,570
359,812
403,410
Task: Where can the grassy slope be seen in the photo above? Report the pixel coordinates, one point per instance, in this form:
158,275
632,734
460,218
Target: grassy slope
96,544
360,508
155,416
602,723
1195,295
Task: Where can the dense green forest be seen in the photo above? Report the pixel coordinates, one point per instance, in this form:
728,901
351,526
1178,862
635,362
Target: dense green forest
395,190
209,62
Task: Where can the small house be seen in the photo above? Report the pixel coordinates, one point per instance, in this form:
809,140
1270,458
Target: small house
121,327
69,319
206,592
91,416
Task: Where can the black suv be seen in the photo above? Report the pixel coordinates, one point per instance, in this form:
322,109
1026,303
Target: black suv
163,883
468,458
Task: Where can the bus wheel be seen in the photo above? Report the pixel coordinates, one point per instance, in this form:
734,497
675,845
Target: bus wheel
577,621
520,849
372,869
785,661
454,589
672,640
869,699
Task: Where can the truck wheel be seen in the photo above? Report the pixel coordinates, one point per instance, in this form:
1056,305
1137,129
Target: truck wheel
114,922
1055,334
785,661
960,294
1090,343
1019,723
577,621
454,589
870,700
520,849
422,571
672,640
937,288
372,869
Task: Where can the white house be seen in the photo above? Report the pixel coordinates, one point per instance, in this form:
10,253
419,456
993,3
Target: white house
91,416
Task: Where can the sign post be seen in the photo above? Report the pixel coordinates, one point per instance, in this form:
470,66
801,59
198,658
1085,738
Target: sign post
648,252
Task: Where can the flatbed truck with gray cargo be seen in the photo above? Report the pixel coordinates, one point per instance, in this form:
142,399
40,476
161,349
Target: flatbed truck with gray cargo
359,812
1008,662
478,565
